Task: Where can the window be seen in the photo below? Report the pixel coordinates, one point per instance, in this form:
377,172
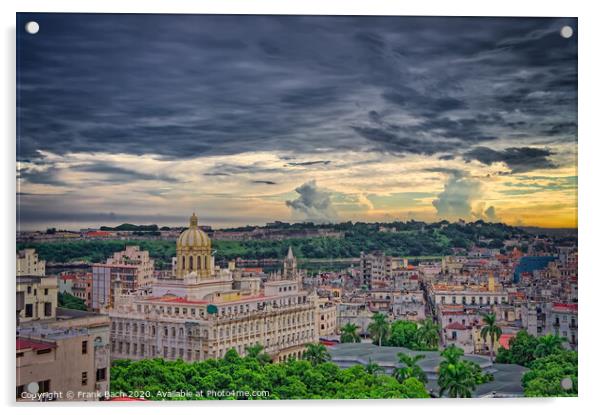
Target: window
44,386
84,378
43,351
101,374
85,347
47,309
28,289
28,310
20,390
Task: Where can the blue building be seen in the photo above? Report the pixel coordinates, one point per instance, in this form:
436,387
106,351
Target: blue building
530,264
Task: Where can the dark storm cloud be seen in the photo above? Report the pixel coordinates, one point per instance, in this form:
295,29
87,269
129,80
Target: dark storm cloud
264,182
518,159
228,169
309,163
120,174
181,86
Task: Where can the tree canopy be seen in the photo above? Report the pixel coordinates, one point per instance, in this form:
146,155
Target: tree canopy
66,300
294,379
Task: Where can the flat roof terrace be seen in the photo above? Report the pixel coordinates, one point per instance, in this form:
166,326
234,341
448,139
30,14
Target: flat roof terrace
507,377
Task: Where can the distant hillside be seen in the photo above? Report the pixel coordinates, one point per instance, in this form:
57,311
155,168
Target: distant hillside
396,238
130,227
555,232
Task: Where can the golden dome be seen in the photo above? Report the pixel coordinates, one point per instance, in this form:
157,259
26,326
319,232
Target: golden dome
193,237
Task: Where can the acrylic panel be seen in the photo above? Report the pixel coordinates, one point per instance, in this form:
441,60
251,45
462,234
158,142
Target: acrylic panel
295,207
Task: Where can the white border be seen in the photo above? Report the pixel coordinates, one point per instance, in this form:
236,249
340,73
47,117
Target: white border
590,68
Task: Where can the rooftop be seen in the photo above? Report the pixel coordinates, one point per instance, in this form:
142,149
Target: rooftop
25,343
507,377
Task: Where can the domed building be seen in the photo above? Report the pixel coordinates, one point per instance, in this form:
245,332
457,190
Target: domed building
193,252
202,310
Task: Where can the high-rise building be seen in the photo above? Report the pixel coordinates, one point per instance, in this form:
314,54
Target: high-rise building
126,271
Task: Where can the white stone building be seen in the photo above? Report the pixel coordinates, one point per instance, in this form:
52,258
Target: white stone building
202,311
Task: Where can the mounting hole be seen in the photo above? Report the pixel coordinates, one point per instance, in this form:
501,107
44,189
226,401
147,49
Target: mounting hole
566,384
32,28
566,32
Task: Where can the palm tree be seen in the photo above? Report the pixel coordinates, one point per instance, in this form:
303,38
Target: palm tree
452,354
548,344
410,368
256,352
349,333
379,328
492,330
428,334
456,377
373,368
316,354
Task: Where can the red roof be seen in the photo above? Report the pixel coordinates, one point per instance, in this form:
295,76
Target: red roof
564,307
99,233
67,277
179,300
455,326
453,312
258,269
23,343
505,340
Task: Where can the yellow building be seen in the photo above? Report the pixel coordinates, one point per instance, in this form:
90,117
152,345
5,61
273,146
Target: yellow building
28,263
37,298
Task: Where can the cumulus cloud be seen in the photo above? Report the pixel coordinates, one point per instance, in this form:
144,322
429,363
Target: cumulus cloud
313,203
490,214
487,214
457,197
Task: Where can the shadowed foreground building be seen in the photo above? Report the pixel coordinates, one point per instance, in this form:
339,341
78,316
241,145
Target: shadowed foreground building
202,311
58,351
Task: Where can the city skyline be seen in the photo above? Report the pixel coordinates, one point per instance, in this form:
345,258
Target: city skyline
147,118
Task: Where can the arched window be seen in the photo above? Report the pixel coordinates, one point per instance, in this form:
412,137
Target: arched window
198,262
191,263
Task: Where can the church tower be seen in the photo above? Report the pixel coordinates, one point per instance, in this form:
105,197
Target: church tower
290,266
193,252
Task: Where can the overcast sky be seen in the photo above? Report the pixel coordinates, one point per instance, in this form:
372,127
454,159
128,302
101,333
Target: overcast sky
251,119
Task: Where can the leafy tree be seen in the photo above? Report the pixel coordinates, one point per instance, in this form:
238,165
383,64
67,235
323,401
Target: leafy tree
349,333
428,334
491,329
66,300
316,354
547,345
456,380
456,376
256,352
452,354
379,328
295,379
547,374
521,350
410,368
373,368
